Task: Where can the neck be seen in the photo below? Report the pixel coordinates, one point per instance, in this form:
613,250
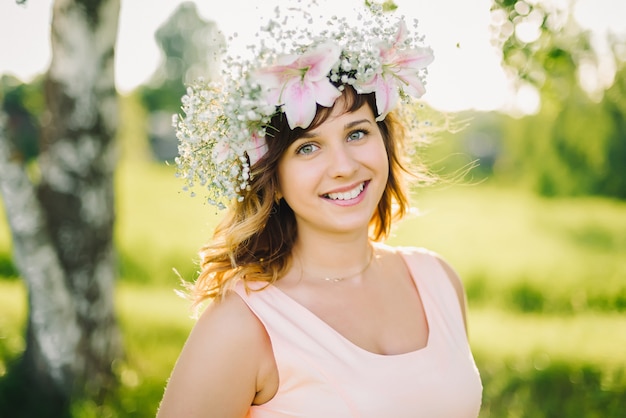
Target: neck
333,260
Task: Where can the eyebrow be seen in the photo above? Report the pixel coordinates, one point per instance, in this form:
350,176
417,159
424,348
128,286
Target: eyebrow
347,126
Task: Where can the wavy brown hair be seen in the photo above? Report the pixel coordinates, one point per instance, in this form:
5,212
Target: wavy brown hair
254,240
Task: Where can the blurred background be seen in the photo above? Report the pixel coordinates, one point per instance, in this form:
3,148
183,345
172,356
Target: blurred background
531,209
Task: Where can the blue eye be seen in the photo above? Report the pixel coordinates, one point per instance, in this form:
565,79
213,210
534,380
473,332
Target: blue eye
356,135
306,149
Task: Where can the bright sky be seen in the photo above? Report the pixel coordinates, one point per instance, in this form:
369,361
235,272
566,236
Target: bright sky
465,75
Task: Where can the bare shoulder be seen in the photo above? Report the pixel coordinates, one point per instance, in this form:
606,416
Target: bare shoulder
222,366
231,316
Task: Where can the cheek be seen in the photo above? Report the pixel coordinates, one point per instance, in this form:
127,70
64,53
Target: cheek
380,158
290,178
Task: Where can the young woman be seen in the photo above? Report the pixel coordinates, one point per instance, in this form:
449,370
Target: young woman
311,315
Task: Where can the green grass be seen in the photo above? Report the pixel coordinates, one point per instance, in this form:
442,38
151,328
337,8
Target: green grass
516,353
540,339
546,281
510,247
158,227
523,252
12,320
154,322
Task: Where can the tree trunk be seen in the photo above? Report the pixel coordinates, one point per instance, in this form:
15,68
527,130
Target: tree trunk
63,228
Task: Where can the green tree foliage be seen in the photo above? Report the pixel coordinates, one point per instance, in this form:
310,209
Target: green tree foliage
576,143
542,45
190,49
614,105
23,104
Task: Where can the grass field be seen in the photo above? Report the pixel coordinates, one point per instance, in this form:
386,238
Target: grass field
515,352
546,281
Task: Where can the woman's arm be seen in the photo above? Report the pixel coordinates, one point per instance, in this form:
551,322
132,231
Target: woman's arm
220,370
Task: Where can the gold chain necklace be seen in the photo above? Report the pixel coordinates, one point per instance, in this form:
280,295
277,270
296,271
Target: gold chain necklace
336,279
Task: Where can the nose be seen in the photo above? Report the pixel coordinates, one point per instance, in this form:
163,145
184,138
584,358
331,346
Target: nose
342,161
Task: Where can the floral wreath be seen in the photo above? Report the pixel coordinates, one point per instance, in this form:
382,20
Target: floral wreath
223,131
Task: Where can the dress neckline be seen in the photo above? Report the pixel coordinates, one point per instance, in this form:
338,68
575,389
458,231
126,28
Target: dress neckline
423,296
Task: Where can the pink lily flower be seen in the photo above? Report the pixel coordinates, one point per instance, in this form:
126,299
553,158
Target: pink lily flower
257,148
221,151
400,69
299,83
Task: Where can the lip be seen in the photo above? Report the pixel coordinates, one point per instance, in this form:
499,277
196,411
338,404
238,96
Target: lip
347,188
349,202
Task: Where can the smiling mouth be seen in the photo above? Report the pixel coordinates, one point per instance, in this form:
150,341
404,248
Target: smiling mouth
350,194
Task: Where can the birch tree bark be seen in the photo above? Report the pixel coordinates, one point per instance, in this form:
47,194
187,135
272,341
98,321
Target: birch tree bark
62,224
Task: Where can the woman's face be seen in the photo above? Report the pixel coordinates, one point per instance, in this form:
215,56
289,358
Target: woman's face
335,174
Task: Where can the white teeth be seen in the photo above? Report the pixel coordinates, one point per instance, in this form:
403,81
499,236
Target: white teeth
347,195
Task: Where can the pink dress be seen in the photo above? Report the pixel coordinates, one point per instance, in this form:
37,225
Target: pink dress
324,375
